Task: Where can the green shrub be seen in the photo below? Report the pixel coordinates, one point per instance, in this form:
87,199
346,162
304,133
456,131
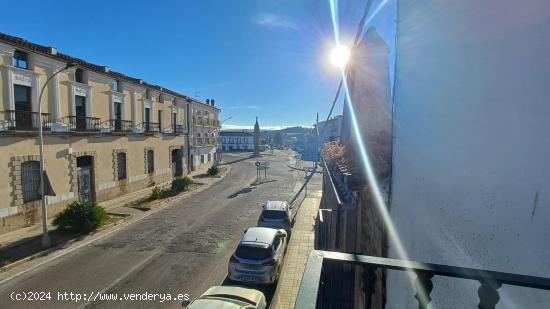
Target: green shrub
213,171
156,193
81,217
181,183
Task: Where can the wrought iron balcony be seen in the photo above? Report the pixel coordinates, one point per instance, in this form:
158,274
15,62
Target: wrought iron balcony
319,279
179,129
149,127
15,120
82,124
118,126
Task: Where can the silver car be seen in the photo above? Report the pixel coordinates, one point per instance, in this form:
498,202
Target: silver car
259,256
228,297
276,215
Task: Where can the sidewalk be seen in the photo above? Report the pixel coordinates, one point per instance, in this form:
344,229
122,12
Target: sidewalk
116,206
301,243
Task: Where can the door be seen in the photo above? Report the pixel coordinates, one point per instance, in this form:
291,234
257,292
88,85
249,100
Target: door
174,122
118,116
147,118
160,121
177,168
80,113
84,171
23,110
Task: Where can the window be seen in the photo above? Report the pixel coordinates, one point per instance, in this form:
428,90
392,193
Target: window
202,158
79,76
20,59
121,165
253,253
161,98
148,94
116,86
150,161
30,180
160,120
209,157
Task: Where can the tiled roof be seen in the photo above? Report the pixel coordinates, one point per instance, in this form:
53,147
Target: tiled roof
53,53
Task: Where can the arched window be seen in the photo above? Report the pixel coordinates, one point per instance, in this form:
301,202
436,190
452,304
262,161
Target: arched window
30,180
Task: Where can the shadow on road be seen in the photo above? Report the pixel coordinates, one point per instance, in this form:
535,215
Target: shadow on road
238,160
241,191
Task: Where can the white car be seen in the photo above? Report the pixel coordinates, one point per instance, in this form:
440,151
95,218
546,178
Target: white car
276,215
259,256
228,297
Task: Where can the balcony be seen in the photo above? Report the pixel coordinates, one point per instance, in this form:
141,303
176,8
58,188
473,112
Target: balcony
15,120
149,127
178,129
322,280
82,124
118,126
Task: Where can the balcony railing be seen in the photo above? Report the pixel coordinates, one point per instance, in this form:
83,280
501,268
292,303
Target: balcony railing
316,292
82,124
118,126
179,129
25,121
149,127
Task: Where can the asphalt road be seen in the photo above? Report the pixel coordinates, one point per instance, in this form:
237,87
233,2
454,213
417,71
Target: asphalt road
182,249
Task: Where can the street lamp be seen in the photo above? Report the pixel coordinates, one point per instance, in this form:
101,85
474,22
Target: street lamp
46,242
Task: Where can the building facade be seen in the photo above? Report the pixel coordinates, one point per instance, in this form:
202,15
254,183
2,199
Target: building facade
237,141
329,130
204,136
105,133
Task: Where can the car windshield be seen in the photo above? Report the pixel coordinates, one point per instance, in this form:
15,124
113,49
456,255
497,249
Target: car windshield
253,253
273,214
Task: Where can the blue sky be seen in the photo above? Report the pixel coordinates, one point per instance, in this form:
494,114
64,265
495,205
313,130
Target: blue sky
255,58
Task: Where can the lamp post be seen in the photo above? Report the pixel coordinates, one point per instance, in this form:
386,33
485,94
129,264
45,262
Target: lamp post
46,242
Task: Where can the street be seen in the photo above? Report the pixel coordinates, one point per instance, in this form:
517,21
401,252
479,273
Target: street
183,249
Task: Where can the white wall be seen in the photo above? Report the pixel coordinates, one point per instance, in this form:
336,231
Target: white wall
471,167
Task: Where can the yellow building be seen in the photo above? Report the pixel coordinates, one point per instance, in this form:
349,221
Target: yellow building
105,133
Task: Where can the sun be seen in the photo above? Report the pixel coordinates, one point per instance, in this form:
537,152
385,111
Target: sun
339,56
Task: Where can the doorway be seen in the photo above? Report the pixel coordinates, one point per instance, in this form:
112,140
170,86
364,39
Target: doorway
23,109
80,112
177,168
85,177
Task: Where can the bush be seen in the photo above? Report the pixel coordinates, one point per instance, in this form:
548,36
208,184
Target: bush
213,171
81,217
181,183
156,194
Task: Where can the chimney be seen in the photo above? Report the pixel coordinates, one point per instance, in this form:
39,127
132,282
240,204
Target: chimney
212,102
52,51
207,101
106,69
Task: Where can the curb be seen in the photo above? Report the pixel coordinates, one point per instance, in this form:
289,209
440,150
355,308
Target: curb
162,205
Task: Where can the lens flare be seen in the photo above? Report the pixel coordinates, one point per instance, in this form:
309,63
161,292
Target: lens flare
339,56
379,202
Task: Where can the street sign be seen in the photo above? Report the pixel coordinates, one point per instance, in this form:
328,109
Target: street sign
262,165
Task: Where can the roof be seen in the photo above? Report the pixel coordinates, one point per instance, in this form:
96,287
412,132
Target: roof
259,236
52,52
225,133
276,205
243,293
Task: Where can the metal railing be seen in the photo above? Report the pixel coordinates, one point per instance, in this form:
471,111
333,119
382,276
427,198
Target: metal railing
149,127
82,124
315,291
179,129
25,121
118,125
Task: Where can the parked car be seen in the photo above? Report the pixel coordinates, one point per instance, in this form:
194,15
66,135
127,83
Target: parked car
228,297
259,256
276,215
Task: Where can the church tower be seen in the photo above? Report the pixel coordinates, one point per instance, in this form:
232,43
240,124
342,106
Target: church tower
256,138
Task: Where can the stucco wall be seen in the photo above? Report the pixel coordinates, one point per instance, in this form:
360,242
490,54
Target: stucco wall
471,145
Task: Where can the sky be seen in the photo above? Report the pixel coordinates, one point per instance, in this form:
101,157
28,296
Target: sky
266,59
